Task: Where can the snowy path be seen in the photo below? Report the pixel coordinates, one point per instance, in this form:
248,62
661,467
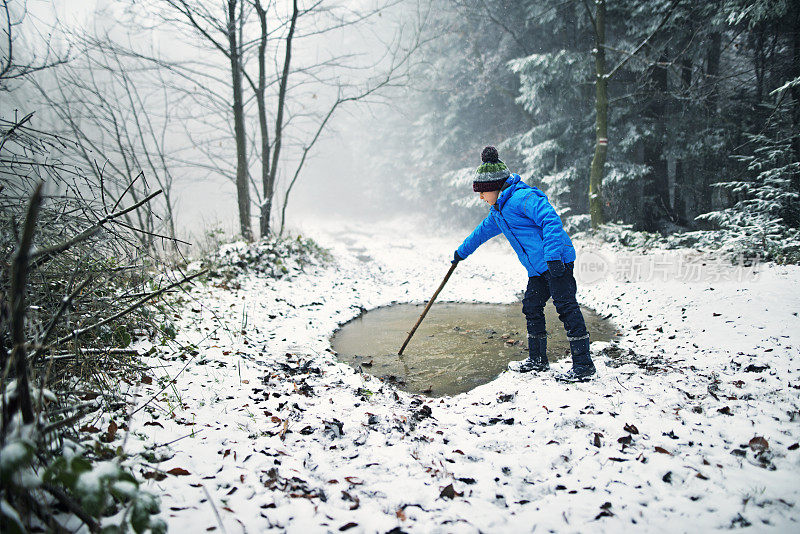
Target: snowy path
278,434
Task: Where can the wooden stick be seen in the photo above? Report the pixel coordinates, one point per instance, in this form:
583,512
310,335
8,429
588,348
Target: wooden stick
428,307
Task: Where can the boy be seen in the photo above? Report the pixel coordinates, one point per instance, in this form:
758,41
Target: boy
533,228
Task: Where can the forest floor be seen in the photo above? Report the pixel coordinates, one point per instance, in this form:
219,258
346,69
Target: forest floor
692,425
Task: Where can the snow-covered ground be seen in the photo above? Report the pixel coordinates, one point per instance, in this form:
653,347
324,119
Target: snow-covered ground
262,427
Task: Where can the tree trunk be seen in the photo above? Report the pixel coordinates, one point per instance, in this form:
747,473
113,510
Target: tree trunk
266,178
601,119
242,186
795,91
282,99
681,178
710,162
656,185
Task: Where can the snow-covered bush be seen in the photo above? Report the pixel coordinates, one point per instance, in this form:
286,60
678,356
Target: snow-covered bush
70,483
764,220
274,257
76,287
624,235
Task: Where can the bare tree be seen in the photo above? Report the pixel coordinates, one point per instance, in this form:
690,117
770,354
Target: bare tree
288,97
223,30
101,106
12,67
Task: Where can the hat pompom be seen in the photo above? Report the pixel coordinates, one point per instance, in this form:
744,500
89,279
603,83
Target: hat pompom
490,155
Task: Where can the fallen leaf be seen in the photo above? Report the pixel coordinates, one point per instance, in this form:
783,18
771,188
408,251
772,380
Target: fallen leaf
347,526
352,498
662,450
605,511
449,492
153,423
110,433
597,442
154,475
401,515
284,429
178,472
89,428
354,480
758,443
630,428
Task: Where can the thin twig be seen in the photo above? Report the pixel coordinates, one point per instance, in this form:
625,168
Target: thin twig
72,506
127,310
45,255
213,507
65,302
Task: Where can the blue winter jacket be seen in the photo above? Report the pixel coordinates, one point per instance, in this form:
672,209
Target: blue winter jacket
530,224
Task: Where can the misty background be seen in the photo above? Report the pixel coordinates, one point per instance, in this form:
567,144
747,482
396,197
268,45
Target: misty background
692,127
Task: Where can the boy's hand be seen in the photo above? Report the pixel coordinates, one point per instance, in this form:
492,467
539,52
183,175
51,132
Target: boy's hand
456,257
556,267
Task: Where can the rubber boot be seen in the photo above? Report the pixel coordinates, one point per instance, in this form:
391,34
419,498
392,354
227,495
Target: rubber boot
537,357
582,366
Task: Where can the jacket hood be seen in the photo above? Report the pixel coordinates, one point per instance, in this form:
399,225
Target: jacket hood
514,183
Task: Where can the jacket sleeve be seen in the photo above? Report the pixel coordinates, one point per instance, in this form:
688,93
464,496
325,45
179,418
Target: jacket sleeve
486,230
539,209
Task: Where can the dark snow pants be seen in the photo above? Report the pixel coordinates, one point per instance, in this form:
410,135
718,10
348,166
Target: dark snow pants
562,289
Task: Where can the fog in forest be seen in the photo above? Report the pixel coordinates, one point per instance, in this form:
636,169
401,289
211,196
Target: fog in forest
383,107
338,178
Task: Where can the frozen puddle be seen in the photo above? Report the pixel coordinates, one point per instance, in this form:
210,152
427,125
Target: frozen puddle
456,348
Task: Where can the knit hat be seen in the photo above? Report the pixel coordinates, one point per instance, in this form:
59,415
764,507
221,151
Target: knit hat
492,173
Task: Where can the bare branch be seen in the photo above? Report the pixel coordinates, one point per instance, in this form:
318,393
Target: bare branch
77,333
